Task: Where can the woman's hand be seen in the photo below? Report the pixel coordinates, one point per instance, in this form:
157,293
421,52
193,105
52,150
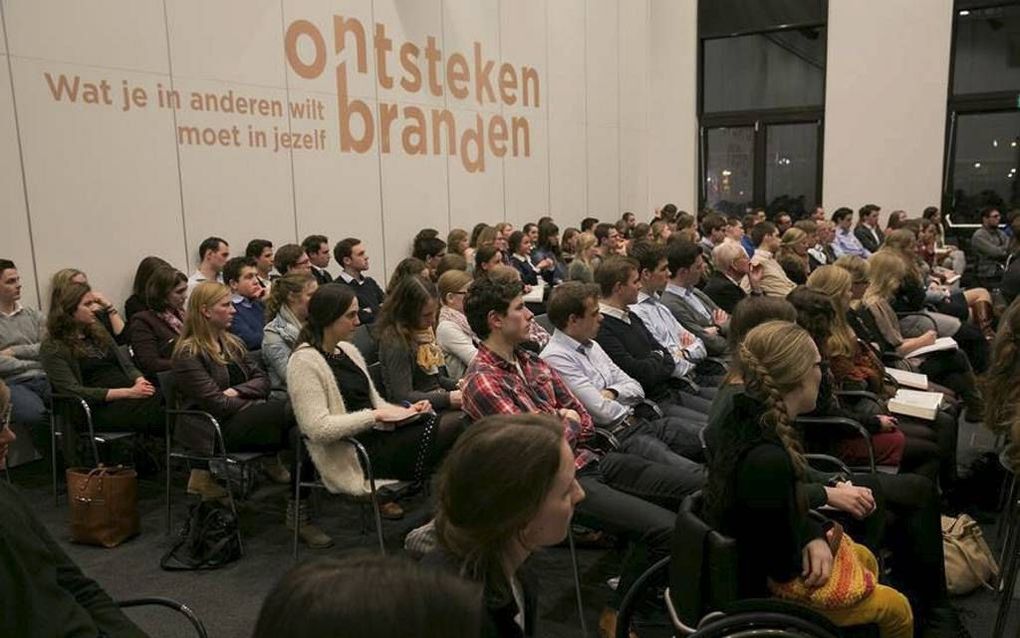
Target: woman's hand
856,501
887,422
422,406
390,413
232,393
142,389
816,558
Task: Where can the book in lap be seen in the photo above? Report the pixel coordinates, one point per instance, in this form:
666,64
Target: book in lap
923,405
908,379
942,343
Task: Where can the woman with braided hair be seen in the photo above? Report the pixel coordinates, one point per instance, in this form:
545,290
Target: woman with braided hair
758,474
1002,392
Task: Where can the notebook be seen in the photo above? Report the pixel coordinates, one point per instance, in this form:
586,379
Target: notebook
908,379
923,405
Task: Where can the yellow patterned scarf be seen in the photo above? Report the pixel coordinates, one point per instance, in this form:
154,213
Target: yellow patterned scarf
429,356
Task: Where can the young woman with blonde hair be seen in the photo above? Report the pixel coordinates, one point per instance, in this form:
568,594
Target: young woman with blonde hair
792,255
453,333
757,490
582,268
286,312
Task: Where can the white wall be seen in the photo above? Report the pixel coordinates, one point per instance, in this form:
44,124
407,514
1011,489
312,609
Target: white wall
614,128
885,104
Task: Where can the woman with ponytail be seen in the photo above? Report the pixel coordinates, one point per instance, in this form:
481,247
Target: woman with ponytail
758,490
286,311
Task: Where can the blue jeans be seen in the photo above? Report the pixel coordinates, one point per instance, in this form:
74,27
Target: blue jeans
28,400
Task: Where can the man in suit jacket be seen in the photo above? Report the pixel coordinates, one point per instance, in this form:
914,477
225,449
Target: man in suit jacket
692,307
317,249
732,267
867,230
631,346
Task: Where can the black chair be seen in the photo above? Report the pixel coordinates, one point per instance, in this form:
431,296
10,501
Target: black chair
168,384
181,608
703,597
365,342
316,483
71,407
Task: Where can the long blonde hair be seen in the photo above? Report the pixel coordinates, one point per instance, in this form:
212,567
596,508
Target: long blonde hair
835,282
898,242
886,270
198,337
773,359
585,241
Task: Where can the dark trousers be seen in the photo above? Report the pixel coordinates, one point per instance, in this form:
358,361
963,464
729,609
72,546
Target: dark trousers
144,416
29,396
646,526
261,427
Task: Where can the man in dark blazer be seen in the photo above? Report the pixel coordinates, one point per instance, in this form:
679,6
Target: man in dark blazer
732,265
631,346
692,307
867,231
317,249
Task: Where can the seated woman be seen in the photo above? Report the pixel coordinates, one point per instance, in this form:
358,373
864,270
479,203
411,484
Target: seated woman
919,290
487,257
1002,385
106,312
792,255
520,258
286,312
757,474
136,302
913,448
582,268
453,334
316,597
548,248
334,399
568,245
153,332
413,365
81,358
459,243
507,490
950,368
214,374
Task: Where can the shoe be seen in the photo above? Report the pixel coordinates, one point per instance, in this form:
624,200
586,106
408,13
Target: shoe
309,533
607,624
276,472
984,317
201,483
391,511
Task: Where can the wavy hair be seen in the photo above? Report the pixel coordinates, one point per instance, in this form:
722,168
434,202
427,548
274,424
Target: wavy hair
62,326
1000,386
835,283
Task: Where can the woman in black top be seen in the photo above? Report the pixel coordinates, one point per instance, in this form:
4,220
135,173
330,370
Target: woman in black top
81,358
137,301
506,490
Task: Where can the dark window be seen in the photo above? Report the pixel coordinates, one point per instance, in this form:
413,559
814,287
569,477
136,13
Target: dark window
986,159
987,50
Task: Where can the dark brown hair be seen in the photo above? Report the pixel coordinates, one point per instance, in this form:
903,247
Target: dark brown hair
62,326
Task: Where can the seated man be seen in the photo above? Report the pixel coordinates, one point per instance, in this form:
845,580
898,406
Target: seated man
317,249
250,313
692,307
505,379
774,281
627,341
867,231
430,250
261,250
213,253
990,244
45,593
351,256
291,258
653,270
21,332
713,233
732,267
614,400
845,242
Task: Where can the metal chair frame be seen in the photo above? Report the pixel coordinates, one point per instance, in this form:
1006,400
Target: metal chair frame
169,603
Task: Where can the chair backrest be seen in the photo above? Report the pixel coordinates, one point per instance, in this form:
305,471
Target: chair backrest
703,566
168,388
543,320
365,342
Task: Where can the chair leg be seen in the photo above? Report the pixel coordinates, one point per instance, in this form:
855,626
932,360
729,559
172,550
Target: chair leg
1007,582
378,520
233,505
53,458
577,583
295,516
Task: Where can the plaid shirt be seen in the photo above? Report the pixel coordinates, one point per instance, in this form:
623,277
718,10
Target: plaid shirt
493,385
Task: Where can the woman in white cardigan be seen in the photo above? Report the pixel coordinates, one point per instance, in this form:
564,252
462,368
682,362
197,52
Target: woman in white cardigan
334,399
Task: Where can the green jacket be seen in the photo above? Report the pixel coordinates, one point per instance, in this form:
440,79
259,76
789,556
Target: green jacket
64,372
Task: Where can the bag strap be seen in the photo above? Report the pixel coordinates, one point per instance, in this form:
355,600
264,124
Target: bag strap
969,562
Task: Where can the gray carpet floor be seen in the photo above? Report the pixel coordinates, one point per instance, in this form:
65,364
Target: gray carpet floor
228,599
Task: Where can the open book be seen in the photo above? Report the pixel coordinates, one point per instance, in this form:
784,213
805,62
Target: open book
389,426
923,405
536,295
942,343
908,379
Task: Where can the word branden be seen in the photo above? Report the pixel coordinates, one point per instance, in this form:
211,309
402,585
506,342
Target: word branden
478,81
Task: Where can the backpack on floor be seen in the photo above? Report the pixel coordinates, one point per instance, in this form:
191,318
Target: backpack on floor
209,539
969,561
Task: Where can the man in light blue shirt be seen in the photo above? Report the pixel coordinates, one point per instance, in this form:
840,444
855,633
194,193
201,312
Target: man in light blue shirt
614,400
686,347
846,243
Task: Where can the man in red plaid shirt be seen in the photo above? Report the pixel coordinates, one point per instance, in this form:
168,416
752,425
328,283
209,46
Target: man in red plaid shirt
627,494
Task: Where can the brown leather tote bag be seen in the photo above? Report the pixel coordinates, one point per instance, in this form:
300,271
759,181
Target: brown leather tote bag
104,504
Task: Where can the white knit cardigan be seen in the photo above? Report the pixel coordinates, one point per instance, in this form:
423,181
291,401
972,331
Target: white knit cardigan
324,420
